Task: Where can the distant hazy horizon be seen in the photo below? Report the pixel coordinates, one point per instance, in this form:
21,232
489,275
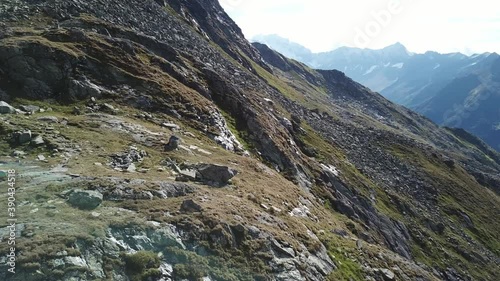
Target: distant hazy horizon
257,38
445,26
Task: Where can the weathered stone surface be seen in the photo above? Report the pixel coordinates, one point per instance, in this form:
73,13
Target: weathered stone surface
85,199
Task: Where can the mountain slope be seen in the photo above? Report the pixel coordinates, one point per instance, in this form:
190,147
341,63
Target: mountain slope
469,102
451,89
282,172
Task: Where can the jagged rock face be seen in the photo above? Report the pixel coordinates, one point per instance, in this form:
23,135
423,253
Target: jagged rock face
209,18
402,183
68,70
93,257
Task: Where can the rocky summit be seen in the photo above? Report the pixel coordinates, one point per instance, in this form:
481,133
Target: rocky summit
152,141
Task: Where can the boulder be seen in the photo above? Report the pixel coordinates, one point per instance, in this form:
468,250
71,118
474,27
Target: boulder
85,199
131,168
211,173
29,108
37,141
22,137
6,108
388,274
189,206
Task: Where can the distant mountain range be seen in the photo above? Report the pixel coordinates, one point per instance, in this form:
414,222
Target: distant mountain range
453,90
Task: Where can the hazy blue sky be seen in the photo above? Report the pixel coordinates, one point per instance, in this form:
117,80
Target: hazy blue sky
421,25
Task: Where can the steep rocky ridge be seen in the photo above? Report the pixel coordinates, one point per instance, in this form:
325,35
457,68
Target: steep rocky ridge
337,182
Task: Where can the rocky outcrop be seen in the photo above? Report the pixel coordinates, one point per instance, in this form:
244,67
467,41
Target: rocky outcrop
126,161
90,260
121,189
394,233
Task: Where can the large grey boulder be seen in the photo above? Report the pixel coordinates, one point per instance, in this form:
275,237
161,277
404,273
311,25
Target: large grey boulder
215,174
29,108
22,137
85,199
6,108
189,206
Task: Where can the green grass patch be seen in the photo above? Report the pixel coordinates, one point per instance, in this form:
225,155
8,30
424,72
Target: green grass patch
347,267
142,265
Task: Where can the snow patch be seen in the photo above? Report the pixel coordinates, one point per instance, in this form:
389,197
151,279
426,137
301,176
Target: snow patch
371,69
331,169
398,65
